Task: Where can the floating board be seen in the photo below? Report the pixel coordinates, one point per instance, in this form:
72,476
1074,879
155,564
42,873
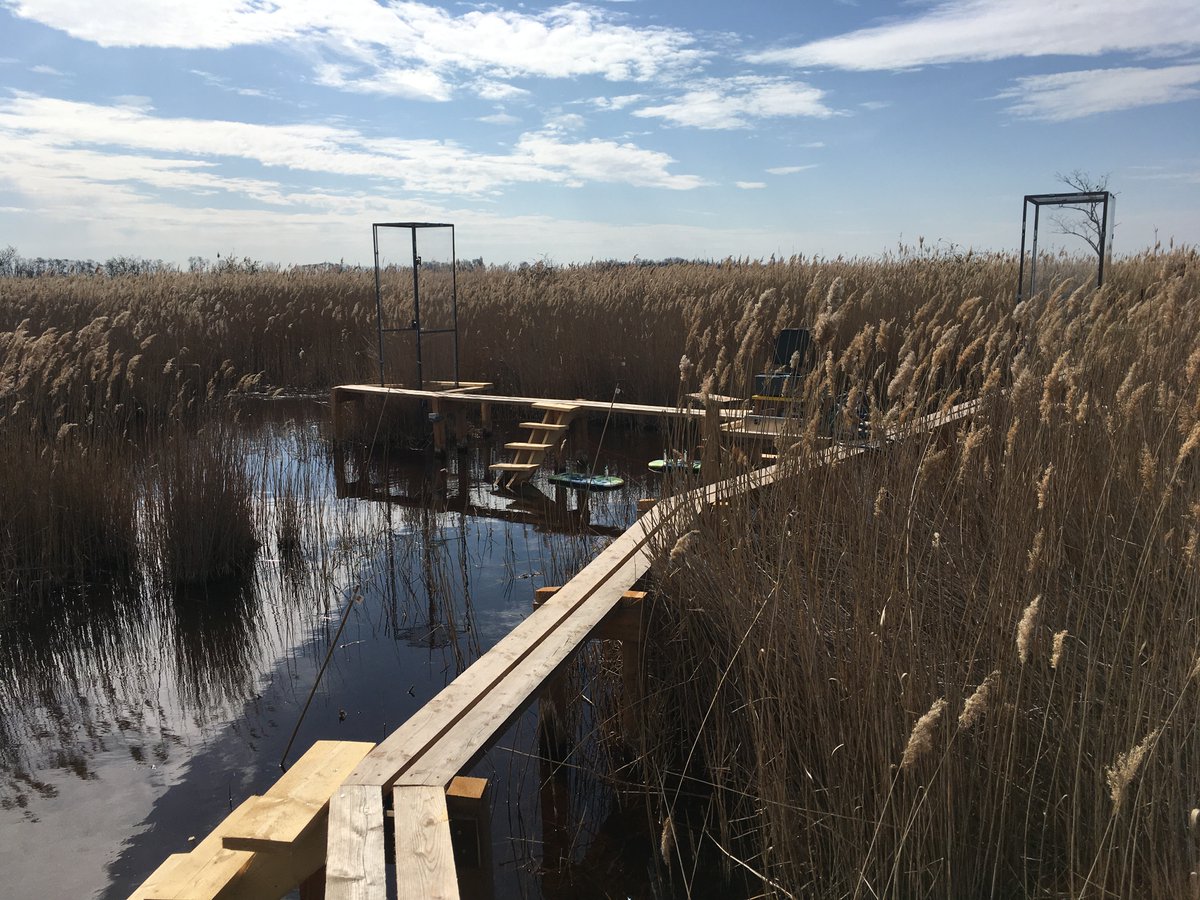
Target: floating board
584,482
674,465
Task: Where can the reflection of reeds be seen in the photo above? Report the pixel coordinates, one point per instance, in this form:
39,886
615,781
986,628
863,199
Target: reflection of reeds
202,518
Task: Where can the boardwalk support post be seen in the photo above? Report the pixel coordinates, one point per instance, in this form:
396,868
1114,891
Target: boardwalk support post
470,809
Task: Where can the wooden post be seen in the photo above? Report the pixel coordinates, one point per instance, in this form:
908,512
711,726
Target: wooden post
626,624
645,505
553,724
439,425
461,432
335,412
485,418
470,809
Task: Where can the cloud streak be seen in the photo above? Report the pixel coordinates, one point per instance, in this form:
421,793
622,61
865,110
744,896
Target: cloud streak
1073,95
983,30
425,166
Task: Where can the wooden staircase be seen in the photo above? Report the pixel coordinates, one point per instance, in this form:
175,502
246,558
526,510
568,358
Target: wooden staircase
543,435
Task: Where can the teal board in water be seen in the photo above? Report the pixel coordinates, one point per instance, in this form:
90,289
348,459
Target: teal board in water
674,465
584,482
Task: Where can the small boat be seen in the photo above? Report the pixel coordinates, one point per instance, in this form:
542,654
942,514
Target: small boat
582,481
660,466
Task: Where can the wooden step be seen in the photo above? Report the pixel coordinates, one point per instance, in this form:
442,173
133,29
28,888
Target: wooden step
526,445
285,826
515,467
554,406
542,426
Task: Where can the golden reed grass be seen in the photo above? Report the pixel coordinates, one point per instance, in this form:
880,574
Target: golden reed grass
813,628
837,621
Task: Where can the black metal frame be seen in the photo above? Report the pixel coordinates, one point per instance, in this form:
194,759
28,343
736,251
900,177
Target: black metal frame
415,325
1106,199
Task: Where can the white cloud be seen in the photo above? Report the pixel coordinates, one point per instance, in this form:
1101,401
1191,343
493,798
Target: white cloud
499,118
223,84
59,127
413,84
615,103
498,90
734,102
978,30
790,170
1073,95
406,49
751,185
45,70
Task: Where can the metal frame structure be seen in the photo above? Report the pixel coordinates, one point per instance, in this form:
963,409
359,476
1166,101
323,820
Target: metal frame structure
415,325
1107,201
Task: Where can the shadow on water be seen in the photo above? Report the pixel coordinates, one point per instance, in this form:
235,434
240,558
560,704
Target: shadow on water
157,711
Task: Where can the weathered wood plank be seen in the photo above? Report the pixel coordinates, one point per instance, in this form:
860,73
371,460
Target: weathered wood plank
354,863
424,850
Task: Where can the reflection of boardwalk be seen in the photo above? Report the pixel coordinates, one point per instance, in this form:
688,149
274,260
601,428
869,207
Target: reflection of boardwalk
414,486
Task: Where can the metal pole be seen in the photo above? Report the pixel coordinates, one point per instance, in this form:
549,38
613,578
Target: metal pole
378,302
1037,214
454,298
1103,241
1021,268
416,324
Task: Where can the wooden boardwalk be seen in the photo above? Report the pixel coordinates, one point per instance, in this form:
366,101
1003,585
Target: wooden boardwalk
417,762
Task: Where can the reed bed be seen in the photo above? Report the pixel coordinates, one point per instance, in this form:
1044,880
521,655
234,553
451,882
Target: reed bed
963,665
966,664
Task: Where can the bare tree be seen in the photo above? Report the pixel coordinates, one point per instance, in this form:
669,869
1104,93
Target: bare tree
1089,225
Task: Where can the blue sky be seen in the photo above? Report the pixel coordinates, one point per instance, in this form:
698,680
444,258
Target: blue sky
281,130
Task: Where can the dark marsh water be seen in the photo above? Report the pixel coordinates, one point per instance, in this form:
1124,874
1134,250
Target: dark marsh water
132,720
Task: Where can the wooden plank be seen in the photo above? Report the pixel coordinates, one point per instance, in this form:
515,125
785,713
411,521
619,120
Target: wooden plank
543,426
555,405
355,867
269,823
515,467
526,445
424,849
297,802
200,874
273,875
316,775
642,409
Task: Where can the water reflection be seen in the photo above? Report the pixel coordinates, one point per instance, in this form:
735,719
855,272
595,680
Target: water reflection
157,709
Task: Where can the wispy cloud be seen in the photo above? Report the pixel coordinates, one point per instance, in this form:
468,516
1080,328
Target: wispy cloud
403,48
736,102
751,185
978,30
45,70
223,84
500,118
59,127
615,103
1073,95
790,170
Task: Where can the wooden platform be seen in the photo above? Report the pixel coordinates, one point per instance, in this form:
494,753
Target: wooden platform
348,391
